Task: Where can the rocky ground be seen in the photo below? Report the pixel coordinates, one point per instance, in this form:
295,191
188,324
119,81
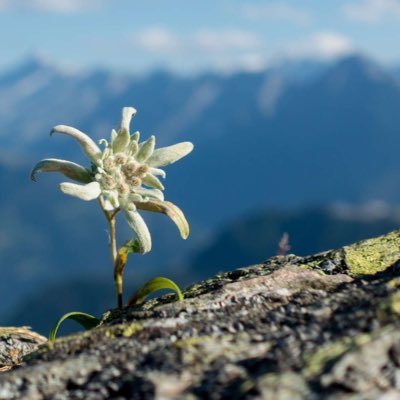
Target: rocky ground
15,343
318,327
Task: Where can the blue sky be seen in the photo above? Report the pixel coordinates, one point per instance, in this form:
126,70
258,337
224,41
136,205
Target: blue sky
190,36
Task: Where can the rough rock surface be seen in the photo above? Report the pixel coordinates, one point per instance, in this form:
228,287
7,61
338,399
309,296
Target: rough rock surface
318,327
15,343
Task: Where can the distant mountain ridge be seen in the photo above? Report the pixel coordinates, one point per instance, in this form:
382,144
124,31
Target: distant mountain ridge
290,136
255,238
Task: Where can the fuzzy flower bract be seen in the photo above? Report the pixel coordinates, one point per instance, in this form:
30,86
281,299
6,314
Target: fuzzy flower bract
125,175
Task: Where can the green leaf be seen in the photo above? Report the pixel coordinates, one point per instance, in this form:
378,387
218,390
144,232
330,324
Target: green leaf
130,246
153,285
85,320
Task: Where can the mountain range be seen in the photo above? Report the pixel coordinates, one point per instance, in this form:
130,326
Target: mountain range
255,237
291,136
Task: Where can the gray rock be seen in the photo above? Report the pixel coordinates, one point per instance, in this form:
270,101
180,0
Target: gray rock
15,343
289,328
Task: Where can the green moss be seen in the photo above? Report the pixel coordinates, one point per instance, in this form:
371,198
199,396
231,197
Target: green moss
391,307
395,302
363,258
316,362
192,341
373,255
41,350
246,386
131,329
312,264
393,283
283,385
4,333
315,261
249,276
126,330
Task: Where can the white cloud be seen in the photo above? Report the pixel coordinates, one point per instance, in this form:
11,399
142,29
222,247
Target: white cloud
54,6
161,40
223,49
228,50
225,40
252,62
249,62
277,12
373,11
157,40
322,45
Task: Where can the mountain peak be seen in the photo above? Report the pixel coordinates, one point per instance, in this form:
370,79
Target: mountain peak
36,61
361,65
29,66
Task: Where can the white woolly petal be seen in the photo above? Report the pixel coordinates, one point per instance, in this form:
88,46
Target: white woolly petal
67,168
169,209
153,193
136,222
87,192
111,197
146,149
121,141
157,172
113,136
127,114
152,181
103,142
135,136
108,206
88,145
168,155
106,153
134,197
133,147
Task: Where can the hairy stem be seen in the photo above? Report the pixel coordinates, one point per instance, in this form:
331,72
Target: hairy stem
110,216
113,239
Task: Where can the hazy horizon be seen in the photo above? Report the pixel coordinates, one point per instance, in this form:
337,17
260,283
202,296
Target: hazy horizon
219,35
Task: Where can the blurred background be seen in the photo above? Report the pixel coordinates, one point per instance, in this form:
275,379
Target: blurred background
293,107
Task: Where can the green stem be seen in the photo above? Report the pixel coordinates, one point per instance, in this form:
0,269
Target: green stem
113,239
110,216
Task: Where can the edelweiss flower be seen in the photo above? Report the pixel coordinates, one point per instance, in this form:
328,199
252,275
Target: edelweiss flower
124,175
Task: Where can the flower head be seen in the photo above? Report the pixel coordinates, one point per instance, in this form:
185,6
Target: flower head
125,175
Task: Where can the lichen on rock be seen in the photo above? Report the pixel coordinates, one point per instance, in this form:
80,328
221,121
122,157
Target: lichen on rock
318,327
373,255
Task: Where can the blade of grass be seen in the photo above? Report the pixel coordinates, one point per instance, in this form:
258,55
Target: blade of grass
153,285
87,321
